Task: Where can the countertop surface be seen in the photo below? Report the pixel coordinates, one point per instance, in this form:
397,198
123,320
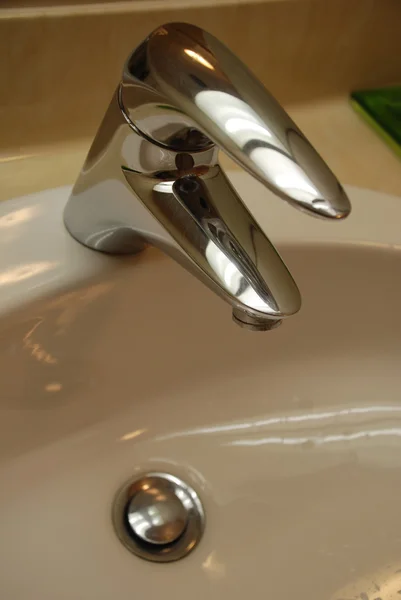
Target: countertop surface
351,148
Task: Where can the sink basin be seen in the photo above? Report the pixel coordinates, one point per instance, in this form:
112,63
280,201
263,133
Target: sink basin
114,367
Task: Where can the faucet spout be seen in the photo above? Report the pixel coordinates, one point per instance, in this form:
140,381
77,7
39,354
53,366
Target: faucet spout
152,174
221,242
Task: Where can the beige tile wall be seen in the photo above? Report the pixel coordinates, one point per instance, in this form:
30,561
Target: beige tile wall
58,73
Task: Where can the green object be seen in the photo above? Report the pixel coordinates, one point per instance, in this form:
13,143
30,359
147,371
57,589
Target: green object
381,108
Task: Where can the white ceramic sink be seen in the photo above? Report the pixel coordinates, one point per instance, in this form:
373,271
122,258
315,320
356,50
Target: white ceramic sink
292,438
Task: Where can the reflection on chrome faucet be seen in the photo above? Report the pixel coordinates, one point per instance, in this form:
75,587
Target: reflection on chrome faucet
152,174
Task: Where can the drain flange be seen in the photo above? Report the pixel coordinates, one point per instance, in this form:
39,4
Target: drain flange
158,517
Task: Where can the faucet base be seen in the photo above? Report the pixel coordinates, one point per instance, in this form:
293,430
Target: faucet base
112,240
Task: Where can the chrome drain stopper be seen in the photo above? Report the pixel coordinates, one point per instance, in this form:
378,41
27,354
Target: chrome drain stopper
158,517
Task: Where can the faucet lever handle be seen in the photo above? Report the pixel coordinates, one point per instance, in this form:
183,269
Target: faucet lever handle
199,76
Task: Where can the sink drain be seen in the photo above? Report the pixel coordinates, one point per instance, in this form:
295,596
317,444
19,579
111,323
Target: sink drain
158,517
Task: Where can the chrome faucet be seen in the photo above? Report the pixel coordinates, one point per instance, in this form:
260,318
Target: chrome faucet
152,174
